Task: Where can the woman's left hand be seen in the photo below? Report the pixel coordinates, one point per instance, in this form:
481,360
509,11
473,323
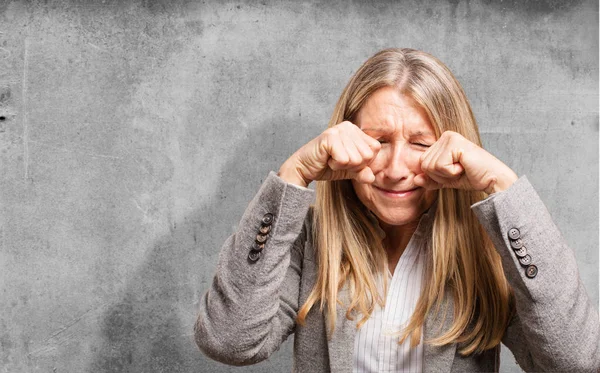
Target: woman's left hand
455,162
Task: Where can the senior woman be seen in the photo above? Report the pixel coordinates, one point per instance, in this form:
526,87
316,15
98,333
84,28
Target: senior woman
423,252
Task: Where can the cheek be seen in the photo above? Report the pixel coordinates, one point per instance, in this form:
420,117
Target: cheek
381,159
363,192
413,160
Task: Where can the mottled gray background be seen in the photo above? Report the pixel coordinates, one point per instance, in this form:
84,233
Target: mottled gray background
133,134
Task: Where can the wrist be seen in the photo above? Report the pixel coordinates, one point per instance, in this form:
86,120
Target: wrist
504,181
292,175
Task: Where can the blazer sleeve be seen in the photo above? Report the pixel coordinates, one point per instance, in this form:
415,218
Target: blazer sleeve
555,328
251,305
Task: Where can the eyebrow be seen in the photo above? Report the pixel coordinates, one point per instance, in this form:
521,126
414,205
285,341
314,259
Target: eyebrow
386,130
376,129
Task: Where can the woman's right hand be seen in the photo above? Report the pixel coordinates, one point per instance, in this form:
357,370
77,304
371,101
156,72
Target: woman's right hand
343,151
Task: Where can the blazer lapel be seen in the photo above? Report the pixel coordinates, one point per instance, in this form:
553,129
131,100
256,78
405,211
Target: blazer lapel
340,343
438,359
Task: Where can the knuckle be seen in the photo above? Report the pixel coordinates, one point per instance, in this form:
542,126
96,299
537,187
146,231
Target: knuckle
448,134
333,131
453,135
342,125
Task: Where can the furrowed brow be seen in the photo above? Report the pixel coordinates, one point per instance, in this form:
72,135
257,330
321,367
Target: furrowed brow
420,133
376,129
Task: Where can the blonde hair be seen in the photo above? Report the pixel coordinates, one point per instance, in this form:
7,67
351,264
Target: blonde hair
461,256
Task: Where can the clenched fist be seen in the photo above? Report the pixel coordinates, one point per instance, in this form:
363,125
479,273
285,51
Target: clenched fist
341,152
455,162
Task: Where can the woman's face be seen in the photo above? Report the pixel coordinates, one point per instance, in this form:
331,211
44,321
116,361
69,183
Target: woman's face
405,133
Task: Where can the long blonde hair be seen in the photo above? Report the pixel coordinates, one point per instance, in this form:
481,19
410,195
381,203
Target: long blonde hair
462,257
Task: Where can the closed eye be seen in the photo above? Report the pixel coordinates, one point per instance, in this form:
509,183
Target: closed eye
423,145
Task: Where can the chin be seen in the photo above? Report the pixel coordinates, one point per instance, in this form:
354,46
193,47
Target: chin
401,213
394,211
396,218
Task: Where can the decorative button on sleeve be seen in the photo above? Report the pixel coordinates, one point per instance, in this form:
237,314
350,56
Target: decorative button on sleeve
254,255
267,219
526,260
531,271
516,243
521,252
514,234
261,237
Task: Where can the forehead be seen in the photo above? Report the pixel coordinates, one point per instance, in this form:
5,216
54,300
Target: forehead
388,110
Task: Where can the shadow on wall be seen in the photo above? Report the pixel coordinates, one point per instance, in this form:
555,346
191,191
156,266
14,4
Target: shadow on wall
143,331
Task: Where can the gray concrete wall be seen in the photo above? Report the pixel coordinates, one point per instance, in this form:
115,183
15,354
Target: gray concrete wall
133,134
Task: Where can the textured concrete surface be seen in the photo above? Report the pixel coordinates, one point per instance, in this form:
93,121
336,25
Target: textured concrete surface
133,134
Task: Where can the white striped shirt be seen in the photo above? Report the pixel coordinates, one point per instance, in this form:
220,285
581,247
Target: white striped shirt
375,349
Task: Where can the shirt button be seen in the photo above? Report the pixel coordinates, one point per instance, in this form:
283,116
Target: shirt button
525,261
531,271
521,252
514,233
254,255
264,229
267,219
516,244
258,246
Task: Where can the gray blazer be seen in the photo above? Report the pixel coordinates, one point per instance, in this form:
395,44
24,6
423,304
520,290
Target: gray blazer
251,306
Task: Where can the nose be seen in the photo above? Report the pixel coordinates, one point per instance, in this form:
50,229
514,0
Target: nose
397,166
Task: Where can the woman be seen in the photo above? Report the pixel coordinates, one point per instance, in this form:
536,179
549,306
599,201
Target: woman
422,253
